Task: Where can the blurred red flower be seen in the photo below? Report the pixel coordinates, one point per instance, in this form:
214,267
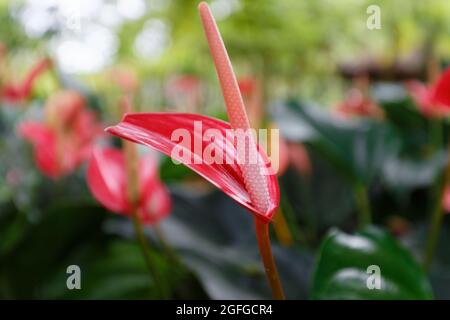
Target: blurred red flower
16,92
299,158
433,100
65,139
107,180
248,85
356,104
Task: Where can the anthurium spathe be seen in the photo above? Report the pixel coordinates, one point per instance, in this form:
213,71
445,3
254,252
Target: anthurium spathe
65,138
433,100
251,183
107,180
156,130
16,92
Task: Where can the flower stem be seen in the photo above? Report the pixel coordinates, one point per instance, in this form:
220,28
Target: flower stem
170,252
363,204
437,216
433,232
262,235
145,248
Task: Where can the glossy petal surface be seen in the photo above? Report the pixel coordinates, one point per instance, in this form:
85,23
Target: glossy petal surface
156,130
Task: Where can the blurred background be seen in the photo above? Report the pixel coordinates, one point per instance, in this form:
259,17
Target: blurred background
357,137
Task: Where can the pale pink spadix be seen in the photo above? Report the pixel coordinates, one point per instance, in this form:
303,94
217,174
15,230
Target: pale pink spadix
254,181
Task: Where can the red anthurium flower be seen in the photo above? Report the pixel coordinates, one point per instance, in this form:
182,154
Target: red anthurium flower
356,104
251,184
434,100
107,180
205,147
65,139
21,91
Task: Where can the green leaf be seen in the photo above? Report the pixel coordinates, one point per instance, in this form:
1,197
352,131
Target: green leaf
321,200
46,244
341,269
115,270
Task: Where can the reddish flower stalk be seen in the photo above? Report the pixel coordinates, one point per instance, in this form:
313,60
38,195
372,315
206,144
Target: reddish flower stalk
237,115
254,182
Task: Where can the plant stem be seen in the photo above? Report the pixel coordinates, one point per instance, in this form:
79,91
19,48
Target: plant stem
131,164
170,252
433,232
437,134
437,216
289,215
363,204
281,228
262,235
145,248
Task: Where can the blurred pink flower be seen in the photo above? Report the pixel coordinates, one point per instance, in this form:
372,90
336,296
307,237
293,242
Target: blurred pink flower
65,139
434,100
356,104
107,180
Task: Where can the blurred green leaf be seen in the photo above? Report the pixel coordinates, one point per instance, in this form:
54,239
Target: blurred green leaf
342,262
114,270
357,148
320,200
45,246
